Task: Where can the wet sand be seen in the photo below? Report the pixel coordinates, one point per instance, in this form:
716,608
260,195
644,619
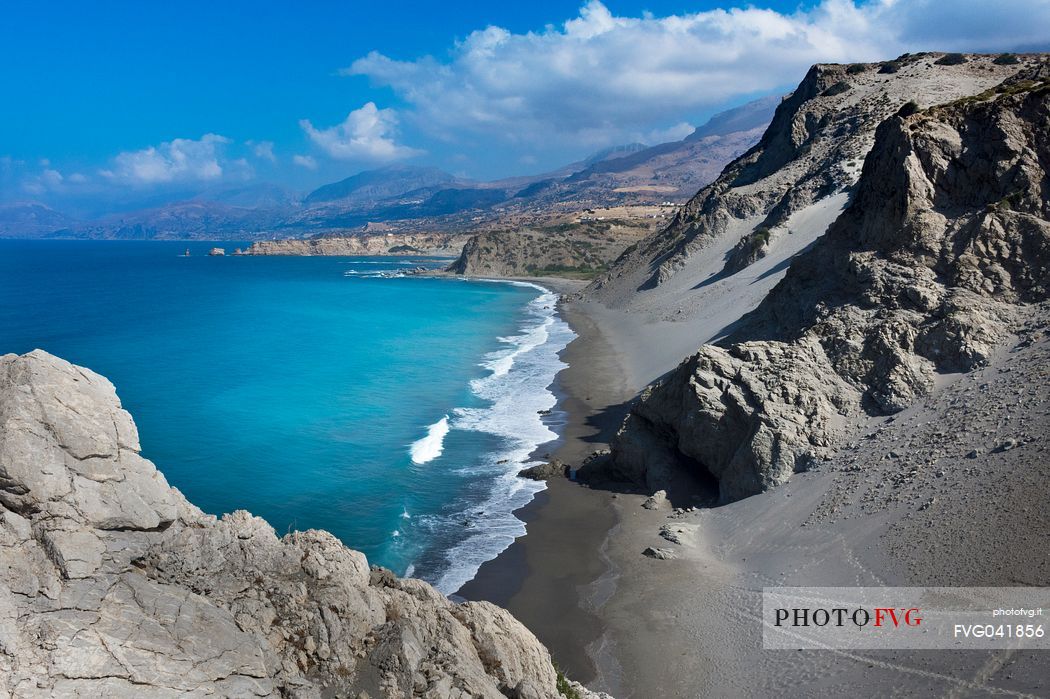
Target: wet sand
544,577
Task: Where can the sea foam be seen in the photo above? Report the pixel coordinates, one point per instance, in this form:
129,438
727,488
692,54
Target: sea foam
430,447
517,393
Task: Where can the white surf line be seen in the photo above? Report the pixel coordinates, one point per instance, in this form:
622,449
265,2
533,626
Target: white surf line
512,282
516,393
430,447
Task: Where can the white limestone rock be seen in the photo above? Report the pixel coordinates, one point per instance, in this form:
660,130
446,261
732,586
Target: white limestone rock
112,584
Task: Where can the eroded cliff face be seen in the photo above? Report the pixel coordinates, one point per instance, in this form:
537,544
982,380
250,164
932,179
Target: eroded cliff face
363,244
943,250
112,584
523,253
813,149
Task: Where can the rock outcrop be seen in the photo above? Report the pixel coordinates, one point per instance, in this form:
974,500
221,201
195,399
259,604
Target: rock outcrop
944,247
112,584
812,150
578,250
749,415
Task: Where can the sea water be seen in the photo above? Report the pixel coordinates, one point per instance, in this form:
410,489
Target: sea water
316,392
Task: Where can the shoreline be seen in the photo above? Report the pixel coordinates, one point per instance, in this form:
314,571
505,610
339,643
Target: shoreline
548,577
520,410
621,622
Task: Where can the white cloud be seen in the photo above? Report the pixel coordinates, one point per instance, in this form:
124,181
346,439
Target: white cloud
47,180
181,159
51,177
19,178
263,150
599,78
305,161
366,134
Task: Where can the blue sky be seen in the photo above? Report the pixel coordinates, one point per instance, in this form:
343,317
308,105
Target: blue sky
102,98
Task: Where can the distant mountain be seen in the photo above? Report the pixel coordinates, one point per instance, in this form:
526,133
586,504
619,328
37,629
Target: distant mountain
31,220
679,168
755,114
425,196
379,184
614,152
450,201
625,174
416,205
264,195
201,220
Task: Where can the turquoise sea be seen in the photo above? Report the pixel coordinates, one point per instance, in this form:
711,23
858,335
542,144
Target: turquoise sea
315,392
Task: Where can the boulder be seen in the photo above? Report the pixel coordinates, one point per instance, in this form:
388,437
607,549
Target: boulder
656,500
660,554
543,472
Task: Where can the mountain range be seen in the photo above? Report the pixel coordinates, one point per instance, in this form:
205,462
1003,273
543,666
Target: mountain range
428,197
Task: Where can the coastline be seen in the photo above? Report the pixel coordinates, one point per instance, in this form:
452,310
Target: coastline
548,576
518,397
577,580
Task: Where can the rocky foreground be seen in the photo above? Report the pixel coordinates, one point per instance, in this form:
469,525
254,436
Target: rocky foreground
113,584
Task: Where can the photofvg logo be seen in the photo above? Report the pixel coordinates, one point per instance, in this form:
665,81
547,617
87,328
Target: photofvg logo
840,616
905,617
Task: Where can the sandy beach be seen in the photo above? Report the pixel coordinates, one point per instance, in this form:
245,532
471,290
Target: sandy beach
638,627
543,577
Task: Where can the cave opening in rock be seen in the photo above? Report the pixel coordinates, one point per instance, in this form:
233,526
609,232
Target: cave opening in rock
692,484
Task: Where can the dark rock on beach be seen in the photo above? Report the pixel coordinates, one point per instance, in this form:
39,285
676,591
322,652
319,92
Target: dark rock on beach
543,472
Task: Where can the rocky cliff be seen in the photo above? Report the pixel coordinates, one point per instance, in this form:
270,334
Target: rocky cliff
581,250
112,584
943,250
364,244
812,150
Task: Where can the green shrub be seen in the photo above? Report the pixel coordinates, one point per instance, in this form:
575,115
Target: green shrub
1010,201
760,237
562,683
1007,203
1006,59
855,68
951,59
890,67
